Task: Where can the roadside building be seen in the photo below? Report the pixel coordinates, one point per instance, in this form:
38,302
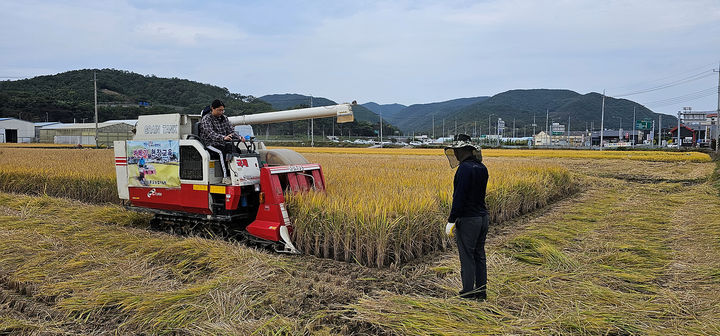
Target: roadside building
84,133
560,139
688,136
704,126
39,125
542,139
617,138
16,131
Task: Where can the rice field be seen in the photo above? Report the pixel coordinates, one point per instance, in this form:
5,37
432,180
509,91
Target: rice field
658,156
381,210
634,252
383,207
81,174
378,210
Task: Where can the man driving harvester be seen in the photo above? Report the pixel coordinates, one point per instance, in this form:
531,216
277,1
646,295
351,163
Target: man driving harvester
214,130
468,219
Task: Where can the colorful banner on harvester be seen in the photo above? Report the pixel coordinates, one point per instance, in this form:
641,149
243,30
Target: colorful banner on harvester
153,163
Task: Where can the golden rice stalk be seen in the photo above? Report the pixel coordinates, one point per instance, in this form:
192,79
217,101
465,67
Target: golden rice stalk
380,210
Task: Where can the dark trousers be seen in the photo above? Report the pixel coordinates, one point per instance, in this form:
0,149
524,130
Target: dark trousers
470,233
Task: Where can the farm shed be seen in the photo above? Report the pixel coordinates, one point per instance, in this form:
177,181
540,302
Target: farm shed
84,133
39,125
16,130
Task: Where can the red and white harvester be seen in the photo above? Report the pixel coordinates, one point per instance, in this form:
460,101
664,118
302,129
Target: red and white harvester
167,171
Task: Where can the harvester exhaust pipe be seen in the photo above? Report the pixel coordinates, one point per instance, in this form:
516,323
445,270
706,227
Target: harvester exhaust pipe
285,236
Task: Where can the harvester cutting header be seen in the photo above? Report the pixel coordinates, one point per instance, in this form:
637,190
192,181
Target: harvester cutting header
168,171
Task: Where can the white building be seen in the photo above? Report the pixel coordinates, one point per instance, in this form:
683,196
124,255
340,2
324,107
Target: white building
84,134
542,139
16,130
39,125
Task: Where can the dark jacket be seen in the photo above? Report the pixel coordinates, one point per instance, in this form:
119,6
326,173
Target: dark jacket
213,129
469,186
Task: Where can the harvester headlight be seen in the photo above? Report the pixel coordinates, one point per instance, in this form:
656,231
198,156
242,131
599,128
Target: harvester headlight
261,197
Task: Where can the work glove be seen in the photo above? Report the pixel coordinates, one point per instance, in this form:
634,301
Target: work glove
450,230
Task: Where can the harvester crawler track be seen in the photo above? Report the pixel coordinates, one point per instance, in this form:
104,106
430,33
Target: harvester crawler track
208,228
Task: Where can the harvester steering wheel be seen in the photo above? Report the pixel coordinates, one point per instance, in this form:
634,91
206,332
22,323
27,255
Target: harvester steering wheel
249,144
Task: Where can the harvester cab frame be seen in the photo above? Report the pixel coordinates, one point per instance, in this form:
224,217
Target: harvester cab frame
186,194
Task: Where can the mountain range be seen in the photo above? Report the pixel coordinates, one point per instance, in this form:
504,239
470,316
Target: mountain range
69,96
524,108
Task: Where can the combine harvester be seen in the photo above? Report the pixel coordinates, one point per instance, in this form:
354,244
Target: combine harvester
167,171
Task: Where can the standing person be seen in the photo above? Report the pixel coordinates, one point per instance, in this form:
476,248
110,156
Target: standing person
215,129
468,220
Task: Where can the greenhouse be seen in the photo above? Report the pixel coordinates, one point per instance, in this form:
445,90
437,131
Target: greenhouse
84,133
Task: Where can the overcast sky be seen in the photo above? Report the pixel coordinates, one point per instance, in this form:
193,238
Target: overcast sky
384,51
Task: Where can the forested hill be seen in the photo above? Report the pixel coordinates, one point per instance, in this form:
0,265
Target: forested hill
419,117
387,110
582,111
526,107
68,96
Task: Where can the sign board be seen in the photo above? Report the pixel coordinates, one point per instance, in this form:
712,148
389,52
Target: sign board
644,124
153,163
618,144
557,129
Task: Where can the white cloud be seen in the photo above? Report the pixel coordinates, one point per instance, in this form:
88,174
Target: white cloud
186,35
400,51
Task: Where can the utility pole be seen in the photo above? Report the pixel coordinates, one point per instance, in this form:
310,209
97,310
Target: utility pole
547,118
568,132
634,139
717,119
381,144
455,126
652,141
489,128
534,124
312,127
489,123
602,121
678,130
443,127
433,127
659,130
475,131
97,145
513,128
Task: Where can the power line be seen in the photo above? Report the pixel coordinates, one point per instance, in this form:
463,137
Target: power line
684,98
671,76
694,77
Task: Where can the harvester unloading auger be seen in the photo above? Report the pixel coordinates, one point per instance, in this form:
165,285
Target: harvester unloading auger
167,171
